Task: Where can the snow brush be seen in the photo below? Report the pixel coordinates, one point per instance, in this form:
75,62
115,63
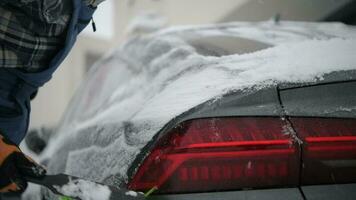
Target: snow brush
70,188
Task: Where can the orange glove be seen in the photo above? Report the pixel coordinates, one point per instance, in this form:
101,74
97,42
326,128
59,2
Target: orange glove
14,166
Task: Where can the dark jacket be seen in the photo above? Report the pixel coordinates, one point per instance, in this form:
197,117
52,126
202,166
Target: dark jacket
16,86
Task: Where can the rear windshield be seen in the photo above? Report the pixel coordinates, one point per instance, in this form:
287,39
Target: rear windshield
222,46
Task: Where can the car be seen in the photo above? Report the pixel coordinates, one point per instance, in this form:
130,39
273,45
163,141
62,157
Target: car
242,110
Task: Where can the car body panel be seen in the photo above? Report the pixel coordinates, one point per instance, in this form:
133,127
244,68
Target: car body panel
332,97
249,102
333,77
142,71
272,194
330,192
325,100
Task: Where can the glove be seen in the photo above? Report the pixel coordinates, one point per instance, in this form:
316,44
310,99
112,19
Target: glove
93,3
14,166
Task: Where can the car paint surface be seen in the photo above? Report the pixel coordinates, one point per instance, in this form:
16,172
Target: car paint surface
335,90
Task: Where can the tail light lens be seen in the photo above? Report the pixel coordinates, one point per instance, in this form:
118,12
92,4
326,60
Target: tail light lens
221,154
329,153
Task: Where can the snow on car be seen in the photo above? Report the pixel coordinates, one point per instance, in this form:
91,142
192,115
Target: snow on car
131,95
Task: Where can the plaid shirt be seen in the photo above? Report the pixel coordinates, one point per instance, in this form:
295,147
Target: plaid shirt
31,31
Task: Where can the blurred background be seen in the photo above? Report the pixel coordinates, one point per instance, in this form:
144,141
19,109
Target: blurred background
116,20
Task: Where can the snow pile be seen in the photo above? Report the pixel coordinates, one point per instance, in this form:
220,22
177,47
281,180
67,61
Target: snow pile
84,190
340,109
131,193
150,80
33,192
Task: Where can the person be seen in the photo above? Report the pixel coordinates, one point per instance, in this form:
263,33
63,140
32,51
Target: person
35,37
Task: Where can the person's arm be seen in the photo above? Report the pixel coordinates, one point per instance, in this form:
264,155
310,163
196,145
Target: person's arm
47,18
14,165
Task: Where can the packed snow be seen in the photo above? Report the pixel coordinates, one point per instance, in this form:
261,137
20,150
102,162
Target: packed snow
131,193
84,190
129,96
340,110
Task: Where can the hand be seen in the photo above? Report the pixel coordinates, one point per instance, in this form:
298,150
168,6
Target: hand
14,167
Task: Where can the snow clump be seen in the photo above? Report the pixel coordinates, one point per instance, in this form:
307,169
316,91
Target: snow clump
84,190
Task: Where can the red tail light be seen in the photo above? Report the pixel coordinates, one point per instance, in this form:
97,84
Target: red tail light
329,153
221,154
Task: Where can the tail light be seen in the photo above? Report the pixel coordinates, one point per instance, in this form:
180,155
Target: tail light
329,153
221,154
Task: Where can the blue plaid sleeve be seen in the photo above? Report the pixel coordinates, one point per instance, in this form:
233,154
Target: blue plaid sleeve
31,31
44,17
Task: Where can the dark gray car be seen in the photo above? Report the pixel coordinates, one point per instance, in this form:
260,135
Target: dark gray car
232,111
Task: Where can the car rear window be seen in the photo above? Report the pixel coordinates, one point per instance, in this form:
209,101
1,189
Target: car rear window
223,46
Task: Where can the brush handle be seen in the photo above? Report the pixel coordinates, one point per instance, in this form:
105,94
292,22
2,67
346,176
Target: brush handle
53,181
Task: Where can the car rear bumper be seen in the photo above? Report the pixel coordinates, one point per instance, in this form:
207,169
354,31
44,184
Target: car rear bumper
270,194
330,192
317,192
